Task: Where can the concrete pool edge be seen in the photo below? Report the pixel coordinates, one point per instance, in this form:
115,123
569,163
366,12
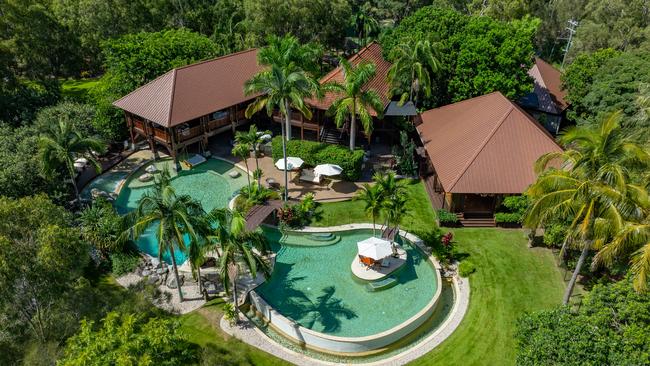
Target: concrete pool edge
249,333
351,345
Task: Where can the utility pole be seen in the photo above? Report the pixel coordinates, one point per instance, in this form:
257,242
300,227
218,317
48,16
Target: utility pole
573,24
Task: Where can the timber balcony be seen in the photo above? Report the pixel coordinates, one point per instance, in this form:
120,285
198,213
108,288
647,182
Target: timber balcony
298,120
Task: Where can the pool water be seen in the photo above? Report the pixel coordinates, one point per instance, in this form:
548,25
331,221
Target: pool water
314,286
208,183
107,182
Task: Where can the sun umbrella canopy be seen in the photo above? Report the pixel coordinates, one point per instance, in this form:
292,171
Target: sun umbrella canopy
151,169
292,163
375,248
81,161
265,137
328,169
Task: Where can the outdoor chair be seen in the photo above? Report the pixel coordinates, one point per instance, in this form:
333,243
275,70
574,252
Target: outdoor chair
307,175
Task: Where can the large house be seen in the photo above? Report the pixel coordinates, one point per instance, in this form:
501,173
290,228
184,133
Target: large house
480,150
546,102
189,104
320,127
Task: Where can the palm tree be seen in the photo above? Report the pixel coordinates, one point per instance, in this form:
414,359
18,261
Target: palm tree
238,247
364,25
592,189
396,209
175,217
253,140
282,88
354,99
61,144
242,151
373,199
414,64
287,50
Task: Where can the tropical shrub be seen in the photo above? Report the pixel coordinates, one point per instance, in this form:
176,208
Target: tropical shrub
611,327
511,210
297,215
466,268
314,153
554,235
446,218
230,313
405,155
123,263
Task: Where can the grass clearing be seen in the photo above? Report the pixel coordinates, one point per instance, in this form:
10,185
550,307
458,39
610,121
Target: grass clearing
78,89
510,279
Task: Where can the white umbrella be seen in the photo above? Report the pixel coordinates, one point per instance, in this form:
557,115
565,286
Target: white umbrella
151,169
327,169
265,137
82,161
292,163
375,248
79,166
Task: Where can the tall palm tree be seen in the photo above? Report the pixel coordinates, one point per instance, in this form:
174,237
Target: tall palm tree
287,50
242,151
238,247
175,217
353,99
415,64
364,25
591,190
61,143
373,200
282,88
253,140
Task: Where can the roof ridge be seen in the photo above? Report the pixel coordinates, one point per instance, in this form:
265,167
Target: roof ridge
171,98
472,99
215,59
147,83
537,124
482,146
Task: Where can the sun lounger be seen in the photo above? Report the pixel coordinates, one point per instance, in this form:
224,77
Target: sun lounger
195,160
307,175
382,284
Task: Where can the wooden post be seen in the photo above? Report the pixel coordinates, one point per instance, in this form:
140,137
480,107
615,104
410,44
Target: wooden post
302,127
174,146
233,119
149,132
129,123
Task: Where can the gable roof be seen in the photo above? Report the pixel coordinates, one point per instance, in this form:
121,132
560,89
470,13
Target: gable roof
548,87
192,91
485,144
370,53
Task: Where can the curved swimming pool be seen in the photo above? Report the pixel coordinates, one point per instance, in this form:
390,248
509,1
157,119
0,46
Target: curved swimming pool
314,287
209,183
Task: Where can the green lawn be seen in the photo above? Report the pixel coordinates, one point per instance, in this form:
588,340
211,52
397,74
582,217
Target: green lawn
77,89
510,280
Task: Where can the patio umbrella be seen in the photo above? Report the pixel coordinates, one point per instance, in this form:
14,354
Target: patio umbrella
327,169
292,163
151,169
81,161
265,137
375,248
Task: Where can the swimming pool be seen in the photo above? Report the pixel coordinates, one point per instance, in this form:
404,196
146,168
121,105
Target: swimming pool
207,183
314,287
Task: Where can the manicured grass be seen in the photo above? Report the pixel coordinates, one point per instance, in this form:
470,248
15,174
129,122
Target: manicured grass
202,327
77,89
510,279
420,221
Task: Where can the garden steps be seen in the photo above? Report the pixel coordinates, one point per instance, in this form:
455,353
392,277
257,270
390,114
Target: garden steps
476,221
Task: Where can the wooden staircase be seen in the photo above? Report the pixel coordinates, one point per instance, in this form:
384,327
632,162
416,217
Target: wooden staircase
476,220
332,136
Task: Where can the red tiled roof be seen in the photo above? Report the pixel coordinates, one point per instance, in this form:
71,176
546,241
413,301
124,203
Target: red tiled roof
192,91
485,144
371,53
548,87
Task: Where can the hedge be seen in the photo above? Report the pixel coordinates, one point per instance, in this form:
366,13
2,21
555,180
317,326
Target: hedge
507,218
446,217
315,153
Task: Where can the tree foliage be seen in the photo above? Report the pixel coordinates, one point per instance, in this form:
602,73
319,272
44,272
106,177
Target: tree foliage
135,59
479,54
129,339
611,327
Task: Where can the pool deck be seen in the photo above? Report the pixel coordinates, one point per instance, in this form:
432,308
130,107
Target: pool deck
372,274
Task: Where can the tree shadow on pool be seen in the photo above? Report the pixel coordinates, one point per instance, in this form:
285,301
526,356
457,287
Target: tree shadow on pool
283,294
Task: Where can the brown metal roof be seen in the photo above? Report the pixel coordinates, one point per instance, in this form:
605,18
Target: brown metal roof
548,87
192,91
370,53
485,144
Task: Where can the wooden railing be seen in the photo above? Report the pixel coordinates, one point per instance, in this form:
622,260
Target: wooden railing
190,133
161,135
138,125
217,123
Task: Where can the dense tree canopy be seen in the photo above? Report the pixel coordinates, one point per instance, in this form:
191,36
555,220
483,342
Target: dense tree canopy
136,59
612,327
479,54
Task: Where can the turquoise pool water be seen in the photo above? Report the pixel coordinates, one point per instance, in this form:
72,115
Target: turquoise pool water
106,182
208,183
314,286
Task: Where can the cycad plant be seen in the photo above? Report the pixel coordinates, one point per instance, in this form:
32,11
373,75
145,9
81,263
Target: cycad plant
61,143
174,217
354,99
239,247
415,65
